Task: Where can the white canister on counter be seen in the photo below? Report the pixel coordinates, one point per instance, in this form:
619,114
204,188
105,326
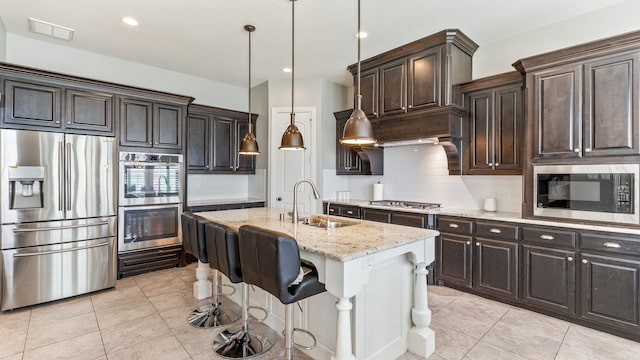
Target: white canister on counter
490,204
378,193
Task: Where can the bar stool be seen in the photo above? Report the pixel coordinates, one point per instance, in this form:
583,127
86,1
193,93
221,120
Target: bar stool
194,243
271,261
250,338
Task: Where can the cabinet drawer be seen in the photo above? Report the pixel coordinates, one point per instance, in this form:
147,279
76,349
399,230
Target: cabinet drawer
497,230
376,215
350,211
549,236
455,225
409,219
611,243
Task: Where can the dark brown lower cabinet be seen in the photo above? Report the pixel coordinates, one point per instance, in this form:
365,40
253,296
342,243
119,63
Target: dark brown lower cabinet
609,292
495,271
376,215
454,259
549,279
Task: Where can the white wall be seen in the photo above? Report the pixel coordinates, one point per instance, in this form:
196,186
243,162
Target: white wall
497,57
63,59
3,42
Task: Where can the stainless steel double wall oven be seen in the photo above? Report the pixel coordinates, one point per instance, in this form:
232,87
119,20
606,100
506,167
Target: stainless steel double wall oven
58,215
150,200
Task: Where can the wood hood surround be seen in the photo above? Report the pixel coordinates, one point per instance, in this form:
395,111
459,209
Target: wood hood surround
408,91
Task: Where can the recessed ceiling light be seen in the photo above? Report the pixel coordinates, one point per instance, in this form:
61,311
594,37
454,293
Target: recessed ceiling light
361,35
49,29
130,21
287,70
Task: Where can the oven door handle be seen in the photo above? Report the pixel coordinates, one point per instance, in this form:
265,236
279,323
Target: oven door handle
60,227
61,250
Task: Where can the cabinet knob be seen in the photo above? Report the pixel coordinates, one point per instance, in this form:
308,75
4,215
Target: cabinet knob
350,212
546,237
585,261
455,226
332,210
279,198
375,114
569,258
576,150
468,242
150,143
612,245
495,231
490,164
57,121
587,150
68,122
410,106
497,164
478,244
403,108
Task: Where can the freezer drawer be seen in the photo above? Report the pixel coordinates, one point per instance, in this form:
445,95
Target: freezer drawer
44,273
55,232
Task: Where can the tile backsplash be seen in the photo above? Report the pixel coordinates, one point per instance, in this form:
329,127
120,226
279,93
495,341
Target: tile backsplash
420,173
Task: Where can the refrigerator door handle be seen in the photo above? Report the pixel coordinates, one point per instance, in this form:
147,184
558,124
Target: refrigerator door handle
51,228
68,176
60,176
61,250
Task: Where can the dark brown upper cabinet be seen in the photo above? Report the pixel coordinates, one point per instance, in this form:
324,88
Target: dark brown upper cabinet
494,128
30,104
583,100
148,124
417,76
214,136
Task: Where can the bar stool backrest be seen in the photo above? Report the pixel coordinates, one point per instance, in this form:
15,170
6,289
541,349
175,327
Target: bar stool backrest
222,250
193,240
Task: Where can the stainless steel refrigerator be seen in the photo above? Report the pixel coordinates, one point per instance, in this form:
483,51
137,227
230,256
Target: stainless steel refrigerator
57,216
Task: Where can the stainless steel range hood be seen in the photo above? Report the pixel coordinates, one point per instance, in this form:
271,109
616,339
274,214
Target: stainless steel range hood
440,125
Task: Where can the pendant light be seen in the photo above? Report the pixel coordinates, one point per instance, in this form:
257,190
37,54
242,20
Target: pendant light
292,138
249,144
358,129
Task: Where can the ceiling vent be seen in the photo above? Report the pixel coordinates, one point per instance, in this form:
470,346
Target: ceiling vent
49,29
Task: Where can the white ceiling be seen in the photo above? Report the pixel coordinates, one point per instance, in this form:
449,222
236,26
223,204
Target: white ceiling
206,37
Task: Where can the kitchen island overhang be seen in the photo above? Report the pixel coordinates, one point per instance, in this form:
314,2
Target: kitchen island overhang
382,266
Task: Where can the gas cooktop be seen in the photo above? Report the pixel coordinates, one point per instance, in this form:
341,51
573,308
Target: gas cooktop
405,204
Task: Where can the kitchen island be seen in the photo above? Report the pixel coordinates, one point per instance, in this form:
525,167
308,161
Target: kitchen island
381,266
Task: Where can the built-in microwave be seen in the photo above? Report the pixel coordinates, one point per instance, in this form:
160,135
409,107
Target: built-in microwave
590,192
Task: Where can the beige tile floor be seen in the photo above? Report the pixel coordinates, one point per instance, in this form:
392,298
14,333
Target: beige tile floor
144,317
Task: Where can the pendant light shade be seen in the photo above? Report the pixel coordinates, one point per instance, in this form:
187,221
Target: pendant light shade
249,145
292,138
358,129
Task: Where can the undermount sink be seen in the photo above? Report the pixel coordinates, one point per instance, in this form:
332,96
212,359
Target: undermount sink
321,222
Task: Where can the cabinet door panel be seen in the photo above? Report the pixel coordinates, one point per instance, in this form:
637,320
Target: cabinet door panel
507,129
455,255
424,80
347,160
376,215
136,123
496,267
167,126
557,112
549,279
392,87
223,134
610,291
480,132
198,142
32,104
611,107
369,92
88,110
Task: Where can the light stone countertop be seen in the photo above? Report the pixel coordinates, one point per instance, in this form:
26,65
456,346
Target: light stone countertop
495,216
341,243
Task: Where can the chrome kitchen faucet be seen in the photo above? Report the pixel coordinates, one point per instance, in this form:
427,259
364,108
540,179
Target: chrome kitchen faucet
295,196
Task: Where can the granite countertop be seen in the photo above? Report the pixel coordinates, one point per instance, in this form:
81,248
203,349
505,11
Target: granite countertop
341,243
494,216
222,201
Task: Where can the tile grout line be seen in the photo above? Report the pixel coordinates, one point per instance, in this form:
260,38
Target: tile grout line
104,348
564,337
488,330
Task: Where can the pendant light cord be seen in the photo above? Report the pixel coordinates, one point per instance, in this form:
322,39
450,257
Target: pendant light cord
358,36
250,125
293,2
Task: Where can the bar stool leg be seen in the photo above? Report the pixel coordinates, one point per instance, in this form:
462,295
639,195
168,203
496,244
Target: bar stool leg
214,314
288,332
246,340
